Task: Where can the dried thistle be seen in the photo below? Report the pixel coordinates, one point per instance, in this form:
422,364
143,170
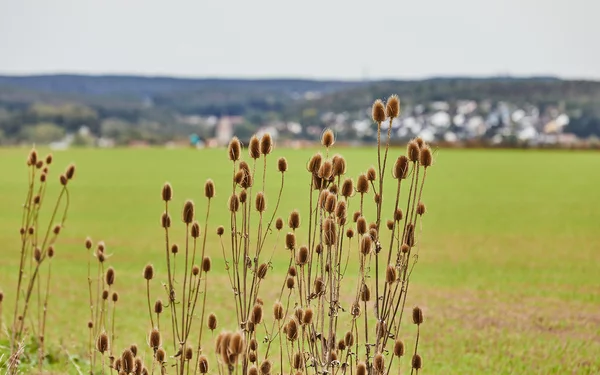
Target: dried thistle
148,272
327,139
254,147
212,322
187,214
392,107
282,165
266,144
417,315
209,189
167,192
378,111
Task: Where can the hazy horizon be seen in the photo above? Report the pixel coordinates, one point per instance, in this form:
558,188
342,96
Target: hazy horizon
333,40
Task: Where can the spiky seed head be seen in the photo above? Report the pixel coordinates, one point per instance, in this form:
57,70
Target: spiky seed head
252,370
134,349
330,232
37,254
379,363
187,214
350,233
158,306
105,295
398,348
277,310
410,235
292,271
361,225
31,230
417,315
50,252
115,297
253,344
139,366
299,314
365,293
209,189
165,220
390,274
323,197
290,241
290,282
212,321
425,157
206,263
314,164
262,270
417,362
319,248
398,214
266,144
378,111
421,208
256,314
302,257
167,192
39,164
297,361
330,203
148,272
294,220
203,364
265,367
237,344
404,248
127,361
362,185
234,203
63,179
49,159
317,182
340,210
195,230
361,369
36,199
371,174
260,203
308,316
412,151
390,224
400,170
161,355
282,165
327,139
88,243
319,285
32,157
349,339
174,249
234,149
102,343
341,345
90,324
254,147
420,142
220,230
117,365
195,270
189,353
239,177
347,188
292,330
43,177
243,196
392,107
56,229
154,339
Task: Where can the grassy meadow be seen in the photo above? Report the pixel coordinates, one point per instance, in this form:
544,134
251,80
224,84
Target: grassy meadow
508,273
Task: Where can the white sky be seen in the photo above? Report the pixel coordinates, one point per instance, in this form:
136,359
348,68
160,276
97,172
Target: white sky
349,39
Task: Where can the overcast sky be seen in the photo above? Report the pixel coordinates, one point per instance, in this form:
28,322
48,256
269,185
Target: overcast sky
348,39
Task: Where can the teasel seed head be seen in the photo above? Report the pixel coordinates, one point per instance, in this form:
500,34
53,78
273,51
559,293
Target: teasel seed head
167,192
88,243
203,364
365,293
256,314
400,170
195,270
266,144
322,198
350,233
362,185
412,151
148,272
373,234
340,210
39,164
134,349
417,315
425,157
187,214
234,203
37,254
378,111
165,220
253,344
174,249
239,177
139,366
341,345
365,244
319,285
261,204
277,310
262,270
329,232
31,230
220,230
158,306
127,361
235,149
419,141
252,370
318,248
398,348
243,196
161,355
32,157
371,174
379,363
390,274
50,252
294,220
104,294
209,189
43,177
102,343
404,248
314,163
308,316
361,225
117,365
189,353
90,324
265,367
254,147
410,235
115,297
290,241
36,199
299,314
279,223
63,179
302,257
155,339
195,230
292,271
349,339
317,182
392,107
421,208
212,321
390,224
361,369
292,330
417,362
330,203
290,282
347,188
398,214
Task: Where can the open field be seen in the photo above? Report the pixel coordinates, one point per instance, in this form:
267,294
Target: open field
507,274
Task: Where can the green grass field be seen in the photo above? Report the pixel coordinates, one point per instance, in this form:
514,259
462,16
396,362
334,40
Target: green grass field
507,274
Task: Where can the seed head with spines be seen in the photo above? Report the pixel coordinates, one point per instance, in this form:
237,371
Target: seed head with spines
378,111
